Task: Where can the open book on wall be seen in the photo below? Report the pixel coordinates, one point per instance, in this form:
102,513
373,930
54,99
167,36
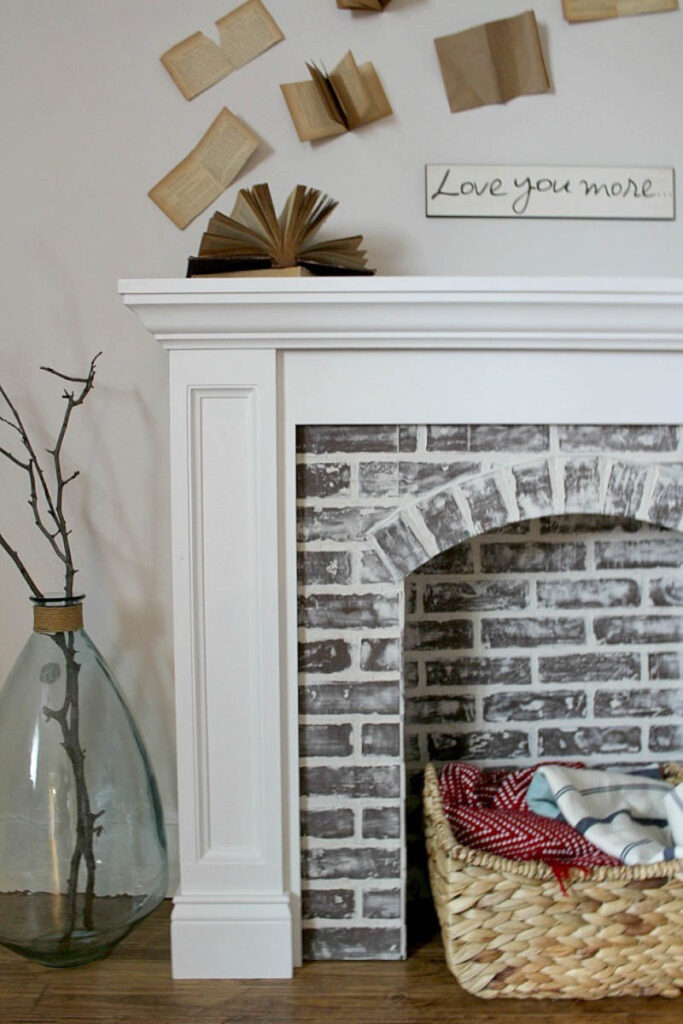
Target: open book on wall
334,103
255,238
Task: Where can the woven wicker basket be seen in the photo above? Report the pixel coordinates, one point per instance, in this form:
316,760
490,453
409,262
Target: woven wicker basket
508,930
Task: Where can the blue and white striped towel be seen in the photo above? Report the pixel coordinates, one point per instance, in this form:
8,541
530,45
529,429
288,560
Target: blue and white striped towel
635,819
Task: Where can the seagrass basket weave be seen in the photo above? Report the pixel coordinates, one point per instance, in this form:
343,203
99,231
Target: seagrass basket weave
510,931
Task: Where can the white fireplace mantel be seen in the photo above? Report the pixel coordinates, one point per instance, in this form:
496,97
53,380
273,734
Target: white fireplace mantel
250,359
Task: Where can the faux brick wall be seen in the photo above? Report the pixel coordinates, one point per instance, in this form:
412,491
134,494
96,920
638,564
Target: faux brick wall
559,635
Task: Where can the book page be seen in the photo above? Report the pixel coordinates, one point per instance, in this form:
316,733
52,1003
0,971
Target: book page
516,52
309,113
596,10
492,63
247,31
379,104
196,63
350,90
206,171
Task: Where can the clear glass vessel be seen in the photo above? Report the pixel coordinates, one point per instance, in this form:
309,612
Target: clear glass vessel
82,842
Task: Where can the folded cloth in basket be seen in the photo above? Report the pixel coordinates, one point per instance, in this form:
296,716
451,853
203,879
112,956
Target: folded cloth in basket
487,810
637,820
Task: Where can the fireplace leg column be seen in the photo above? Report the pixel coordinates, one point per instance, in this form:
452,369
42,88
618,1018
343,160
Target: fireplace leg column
232,916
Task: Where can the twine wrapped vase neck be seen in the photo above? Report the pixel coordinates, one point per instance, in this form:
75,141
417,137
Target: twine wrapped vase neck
57,614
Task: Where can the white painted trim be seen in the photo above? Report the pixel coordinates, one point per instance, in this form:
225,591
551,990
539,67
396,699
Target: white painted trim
409,312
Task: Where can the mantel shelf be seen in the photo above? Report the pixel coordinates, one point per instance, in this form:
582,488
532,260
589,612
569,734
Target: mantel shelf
637,314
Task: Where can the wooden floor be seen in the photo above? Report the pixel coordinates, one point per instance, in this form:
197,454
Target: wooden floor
134,986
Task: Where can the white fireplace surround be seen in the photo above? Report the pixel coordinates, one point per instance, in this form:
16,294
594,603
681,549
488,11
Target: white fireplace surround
250,360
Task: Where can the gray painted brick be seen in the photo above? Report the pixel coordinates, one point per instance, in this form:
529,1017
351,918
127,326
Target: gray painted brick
487,505
456,560
327,903
420,477
443,519
403,548
436,710
382,903
606,593
411,749
506,438
581,485
666,592
616,740
338,524
322,479
533,490
351,862
381,822
532,632
411,675
529,707
352,781
474,746
324,656
484,595
407,438
658,553
318,440
347,611
558,525
625,488
666,506
325,741
639,629
351,943
328,824
451,634
665,665
353,698
467,671
373,569
380,655
321,567
378,479
446,439
638,703
667,739
589,668
618,439
541,556
410,594
381,739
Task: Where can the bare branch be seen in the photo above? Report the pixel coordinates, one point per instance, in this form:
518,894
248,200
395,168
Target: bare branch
43,500
13,458
33,587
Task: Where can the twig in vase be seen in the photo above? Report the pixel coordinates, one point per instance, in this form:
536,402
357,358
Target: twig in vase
47,500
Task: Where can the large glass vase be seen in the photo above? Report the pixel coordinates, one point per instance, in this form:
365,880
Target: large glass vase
82,842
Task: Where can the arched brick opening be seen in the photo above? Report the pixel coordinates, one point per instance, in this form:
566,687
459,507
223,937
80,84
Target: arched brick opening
554,485
448,694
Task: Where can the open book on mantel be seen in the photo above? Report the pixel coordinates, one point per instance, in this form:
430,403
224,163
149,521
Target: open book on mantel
254,238
334,103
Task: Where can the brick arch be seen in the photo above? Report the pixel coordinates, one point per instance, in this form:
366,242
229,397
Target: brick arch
554,485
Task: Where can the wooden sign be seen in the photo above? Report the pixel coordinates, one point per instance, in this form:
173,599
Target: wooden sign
609,193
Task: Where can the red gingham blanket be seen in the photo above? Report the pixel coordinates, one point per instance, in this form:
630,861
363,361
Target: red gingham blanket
487,810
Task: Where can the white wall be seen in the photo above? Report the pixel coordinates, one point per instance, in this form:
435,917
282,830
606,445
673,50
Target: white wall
91,120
